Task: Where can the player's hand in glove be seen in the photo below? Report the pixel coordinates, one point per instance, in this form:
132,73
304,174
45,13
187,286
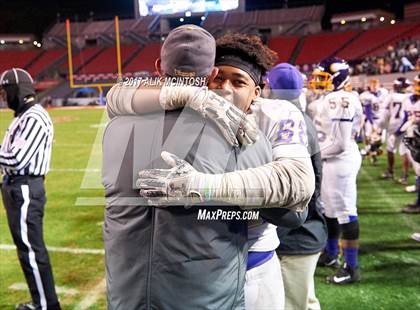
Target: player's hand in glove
163,186
235,125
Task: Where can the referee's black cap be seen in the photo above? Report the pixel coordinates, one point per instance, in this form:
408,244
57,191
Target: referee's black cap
15,76
19,79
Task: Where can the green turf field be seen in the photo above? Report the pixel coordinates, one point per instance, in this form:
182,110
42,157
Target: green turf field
390,260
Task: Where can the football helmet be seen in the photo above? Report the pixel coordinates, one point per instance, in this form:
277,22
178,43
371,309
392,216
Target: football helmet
329,75
401,84
417,85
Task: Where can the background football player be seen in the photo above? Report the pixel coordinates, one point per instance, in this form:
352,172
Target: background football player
371,100
411,120
338,119
391,120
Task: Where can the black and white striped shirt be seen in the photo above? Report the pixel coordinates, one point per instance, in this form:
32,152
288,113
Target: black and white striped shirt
26,147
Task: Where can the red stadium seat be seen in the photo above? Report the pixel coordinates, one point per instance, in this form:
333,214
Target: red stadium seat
82,57
371,39
47,58
106,61
145,60
318,46
284,47
17,58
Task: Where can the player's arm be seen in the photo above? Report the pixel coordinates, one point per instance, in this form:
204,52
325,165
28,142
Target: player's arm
131,99
233,123
368,110
406,120
286,182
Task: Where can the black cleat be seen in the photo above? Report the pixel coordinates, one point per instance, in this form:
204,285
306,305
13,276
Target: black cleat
326,260
345,275
26,306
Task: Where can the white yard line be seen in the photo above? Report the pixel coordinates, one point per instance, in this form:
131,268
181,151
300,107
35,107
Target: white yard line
94,180
58,289
11,247
93,295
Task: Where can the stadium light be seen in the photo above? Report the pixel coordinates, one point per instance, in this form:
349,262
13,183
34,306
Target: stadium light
2,42
203,17
21,41
35,43
343,22
363,19
181,19
382,18
188,14
392,21
38,45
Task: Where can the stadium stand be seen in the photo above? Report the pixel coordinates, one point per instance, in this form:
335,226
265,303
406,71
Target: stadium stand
412,11
105,62
290,32
292,15
82,58
413,34
47,58
144,26
235,21
17,58
318,46
284,46
94,29
145,60
372,39
214,21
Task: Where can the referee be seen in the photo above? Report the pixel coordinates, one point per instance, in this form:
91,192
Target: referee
25,158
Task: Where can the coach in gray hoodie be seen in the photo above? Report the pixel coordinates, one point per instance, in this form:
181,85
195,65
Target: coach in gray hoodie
166,258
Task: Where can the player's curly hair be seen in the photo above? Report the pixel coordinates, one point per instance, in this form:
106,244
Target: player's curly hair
248,47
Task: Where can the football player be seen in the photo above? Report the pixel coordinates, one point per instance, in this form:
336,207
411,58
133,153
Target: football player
338,119
371,100
392,117
239,76
410,123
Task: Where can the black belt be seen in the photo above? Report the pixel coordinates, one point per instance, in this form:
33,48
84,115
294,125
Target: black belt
10,179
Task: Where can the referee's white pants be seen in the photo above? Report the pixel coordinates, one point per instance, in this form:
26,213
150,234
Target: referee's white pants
264,286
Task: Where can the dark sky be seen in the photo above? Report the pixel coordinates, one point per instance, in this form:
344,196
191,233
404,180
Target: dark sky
23,16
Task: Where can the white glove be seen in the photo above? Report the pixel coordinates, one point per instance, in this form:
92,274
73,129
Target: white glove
233,123
168,186
284,183
248,132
